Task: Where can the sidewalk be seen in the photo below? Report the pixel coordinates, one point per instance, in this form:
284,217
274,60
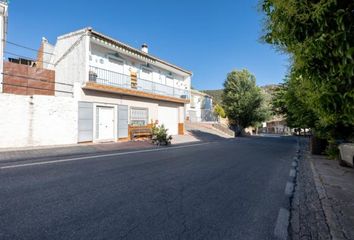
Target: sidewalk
336,187
7,155
323,204
69,150
307,219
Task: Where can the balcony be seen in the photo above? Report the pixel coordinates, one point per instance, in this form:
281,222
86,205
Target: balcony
132,85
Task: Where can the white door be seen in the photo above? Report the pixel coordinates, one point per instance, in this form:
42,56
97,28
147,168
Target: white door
168,116
105,123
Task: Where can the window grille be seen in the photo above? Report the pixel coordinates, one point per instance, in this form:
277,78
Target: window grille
139,116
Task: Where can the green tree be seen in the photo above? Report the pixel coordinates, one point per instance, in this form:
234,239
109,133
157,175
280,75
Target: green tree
219,111
291,100
319,36
279,101
242,100
266,106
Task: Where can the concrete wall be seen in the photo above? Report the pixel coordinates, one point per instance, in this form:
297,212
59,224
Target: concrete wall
45,55
71,62
37,120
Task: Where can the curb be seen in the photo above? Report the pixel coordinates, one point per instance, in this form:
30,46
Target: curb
283,228
293,199
61,152
52,154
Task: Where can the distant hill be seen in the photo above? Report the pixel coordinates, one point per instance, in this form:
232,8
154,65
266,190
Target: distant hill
269,88
215,94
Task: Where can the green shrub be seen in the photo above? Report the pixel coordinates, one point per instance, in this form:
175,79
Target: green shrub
332,150
219,111
160,136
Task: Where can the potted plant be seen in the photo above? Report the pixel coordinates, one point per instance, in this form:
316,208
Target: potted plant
160,136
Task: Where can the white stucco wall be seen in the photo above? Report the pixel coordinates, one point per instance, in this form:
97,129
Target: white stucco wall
70,62
199,103
99,58
48,51
131,101
195,105
37,120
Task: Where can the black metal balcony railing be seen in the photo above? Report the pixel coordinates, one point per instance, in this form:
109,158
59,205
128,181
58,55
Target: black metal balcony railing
111,78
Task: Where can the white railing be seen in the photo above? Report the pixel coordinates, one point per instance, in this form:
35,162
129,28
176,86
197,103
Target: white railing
110,78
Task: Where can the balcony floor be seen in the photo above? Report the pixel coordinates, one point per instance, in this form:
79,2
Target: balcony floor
131,92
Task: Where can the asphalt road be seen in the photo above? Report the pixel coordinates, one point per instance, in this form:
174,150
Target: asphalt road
230,189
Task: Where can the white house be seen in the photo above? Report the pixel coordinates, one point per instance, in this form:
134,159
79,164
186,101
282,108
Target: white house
118,86
200,108
102,89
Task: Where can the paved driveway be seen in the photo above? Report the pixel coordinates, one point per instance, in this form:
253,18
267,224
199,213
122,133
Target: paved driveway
230,189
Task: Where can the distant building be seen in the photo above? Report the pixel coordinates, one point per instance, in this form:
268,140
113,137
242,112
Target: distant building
200,108
277,125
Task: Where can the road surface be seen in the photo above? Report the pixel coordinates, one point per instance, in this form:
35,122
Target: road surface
229,189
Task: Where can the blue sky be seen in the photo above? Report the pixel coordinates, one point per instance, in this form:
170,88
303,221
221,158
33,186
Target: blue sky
208,37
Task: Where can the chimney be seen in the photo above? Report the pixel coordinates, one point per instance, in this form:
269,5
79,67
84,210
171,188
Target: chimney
144,48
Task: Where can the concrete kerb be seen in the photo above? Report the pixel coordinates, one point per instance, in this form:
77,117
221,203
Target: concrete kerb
292,200
39,155
283,227
50,153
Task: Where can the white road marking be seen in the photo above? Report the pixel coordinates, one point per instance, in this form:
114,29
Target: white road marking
99,156
292,173
281,226
289,188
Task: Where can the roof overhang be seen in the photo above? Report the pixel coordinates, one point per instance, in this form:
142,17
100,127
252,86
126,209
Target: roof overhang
133,51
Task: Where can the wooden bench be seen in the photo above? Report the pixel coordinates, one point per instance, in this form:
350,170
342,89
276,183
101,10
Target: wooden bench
140,132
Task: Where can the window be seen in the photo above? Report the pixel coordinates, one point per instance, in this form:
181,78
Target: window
139,116
115,60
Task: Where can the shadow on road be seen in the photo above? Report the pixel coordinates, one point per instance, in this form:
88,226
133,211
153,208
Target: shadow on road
205,136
